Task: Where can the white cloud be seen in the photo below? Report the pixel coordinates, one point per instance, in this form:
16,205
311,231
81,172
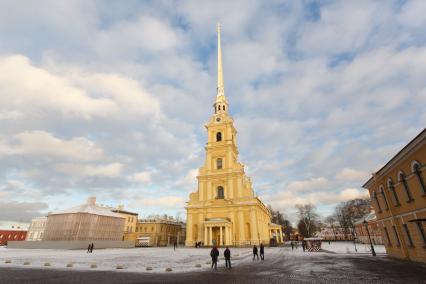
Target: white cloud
142,177
44,144
312,184
352,175
167,202
108,170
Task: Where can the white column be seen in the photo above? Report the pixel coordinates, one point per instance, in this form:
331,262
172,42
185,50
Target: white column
210,236
220,236
205,235
226,235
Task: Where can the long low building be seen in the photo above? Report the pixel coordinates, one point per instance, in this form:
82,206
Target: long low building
398,194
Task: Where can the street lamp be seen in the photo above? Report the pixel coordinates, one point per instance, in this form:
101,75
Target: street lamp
368,232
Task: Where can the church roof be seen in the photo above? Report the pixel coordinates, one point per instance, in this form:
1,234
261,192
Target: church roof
89,207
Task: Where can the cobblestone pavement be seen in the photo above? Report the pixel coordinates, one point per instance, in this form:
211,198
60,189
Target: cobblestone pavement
285,268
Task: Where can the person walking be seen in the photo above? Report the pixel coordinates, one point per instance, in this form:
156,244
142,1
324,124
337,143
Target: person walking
214,253
174,245
292,245
88,248
91,247
227,255
262,252
303,245
255,252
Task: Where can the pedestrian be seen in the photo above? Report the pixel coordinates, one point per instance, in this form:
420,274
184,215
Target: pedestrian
174,245
227,254
292,245
91,247
262,252
214,253
296,244
255,252
303,245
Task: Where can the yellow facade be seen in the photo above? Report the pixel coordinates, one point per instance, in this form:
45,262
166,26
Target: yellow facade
398,195
130,222
157,232
224,210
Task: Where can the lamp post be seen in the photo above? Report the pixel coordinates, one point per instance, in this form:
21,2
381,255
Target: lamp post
368,232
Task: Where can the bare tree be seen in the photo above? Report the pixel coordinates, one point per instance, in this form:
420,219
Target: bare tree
281,219
350,211
330,220
308,219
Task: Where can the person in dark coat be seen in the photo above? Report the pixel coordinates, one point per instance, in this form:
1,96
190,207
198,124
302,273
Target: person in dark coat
227,254
303,245
292,245
174,245
255,252
91,247
214,253
262,252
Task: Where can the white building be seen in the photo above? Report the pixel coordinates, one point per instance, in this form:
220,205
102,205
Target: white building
36,229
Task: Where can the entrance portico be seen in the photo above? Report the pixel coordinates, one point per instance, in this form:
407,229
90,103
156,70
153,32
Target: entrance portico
217,231
276,231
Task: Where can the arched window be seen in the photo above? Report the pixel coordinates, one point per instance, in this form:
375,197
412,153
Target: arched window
223,107
220,192
382,192
377,202
219,163
219,107
219,136
403,181
392,190
415,168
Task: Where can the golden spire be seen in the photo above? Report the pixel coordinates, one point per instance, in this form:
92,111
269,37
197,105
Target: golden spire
220,85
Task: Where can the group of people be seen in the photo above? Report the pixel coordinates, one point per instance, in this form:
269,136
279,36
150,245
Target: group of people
90,248
214,253
296,244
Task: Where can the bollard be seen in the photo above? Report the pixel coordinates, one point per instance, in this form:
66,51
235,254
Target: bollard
8,261
47,264
69,265
148,268
168,269
27,263
208,262
93,265
198,265
119,266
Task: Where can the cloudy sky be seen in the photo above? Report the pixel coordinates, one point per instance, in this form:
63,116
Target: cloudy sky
109,98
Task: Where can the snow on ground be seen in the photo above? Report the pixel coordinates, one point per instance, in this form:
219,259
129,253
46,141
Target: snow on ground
138,259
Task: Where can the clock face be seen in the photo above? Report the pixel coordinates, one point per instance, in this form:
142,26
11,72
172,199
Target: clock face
218,119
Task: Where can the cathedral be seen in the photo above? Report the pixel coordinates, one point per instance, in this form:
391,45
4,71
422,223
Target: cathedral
224,210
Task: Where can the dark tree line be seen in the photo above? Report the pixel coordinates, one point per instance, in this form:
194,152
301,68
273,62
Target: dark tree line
280,219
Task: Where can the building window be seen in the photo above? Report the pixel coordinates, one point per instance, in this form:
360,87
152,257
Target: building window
407,234
415,168
398,243
422,232
391,189
219,136
220,192
382,192
377,202
387,236
223,107
152,229
219,163
403,181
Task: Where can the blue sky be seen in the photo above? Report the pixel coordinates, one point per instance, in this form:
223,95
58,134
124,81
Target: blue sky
109,98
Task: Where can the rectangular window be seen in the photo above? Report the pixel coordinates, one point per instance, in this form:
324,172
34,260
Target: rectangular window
387,236
398,243
422,232
407,233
